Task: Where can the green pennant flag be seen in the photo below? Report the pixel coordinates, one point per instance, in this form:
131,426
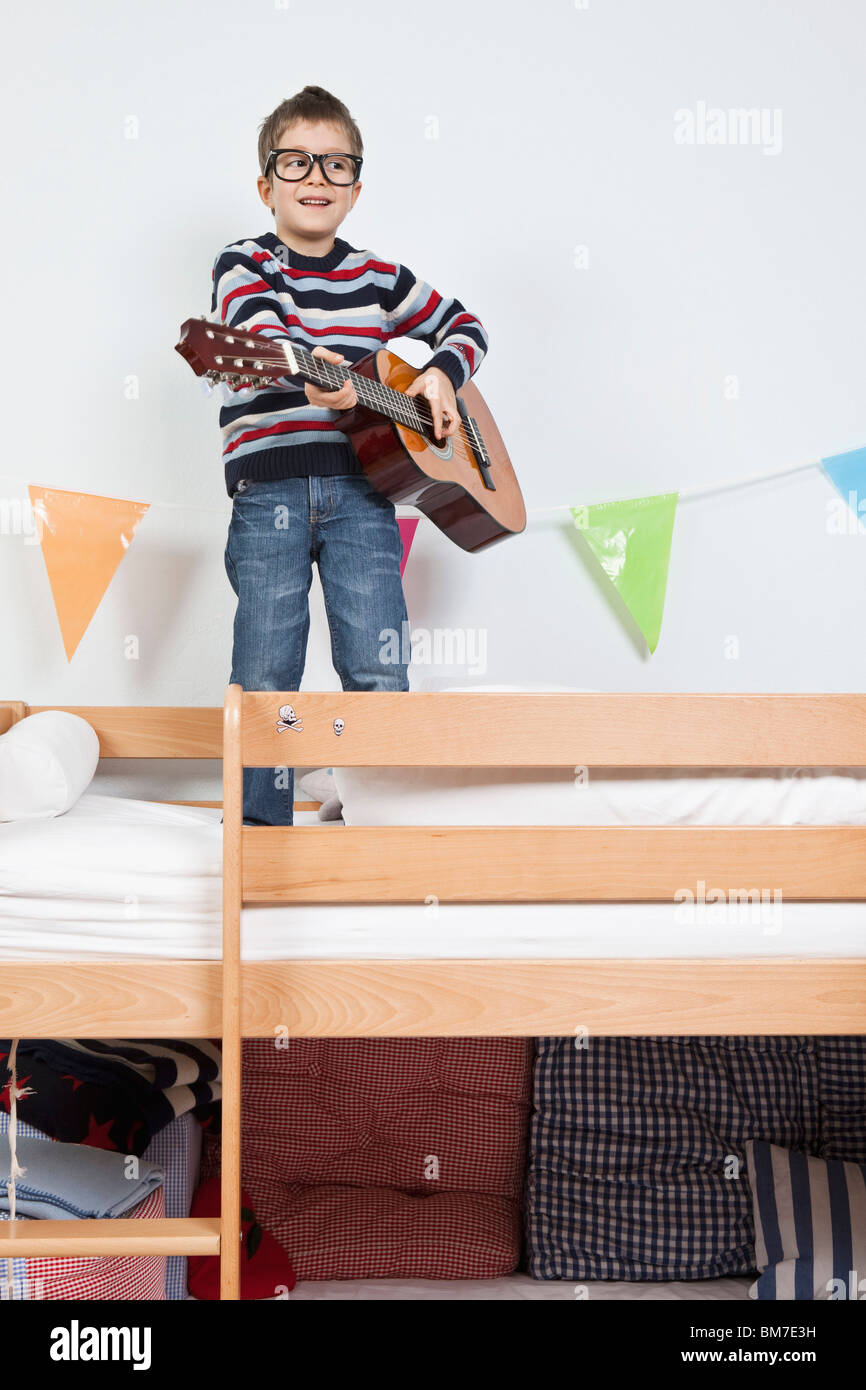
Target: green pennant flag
632,542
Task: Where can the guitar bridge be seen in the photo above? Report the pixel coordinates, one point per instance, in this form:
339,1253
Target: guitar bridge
473,434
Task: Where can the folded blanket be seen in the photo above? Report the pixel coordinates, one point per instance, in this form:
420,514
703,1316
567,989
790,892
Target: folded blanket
112,1094
66,1181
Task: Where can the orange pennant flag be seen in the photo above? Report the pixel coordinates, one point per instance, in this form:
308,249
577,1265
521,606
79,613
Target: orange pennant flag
84,538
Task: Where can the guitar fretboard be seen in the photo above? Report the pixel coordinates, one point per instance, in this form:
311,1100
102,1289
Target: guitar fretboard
408,410
412,411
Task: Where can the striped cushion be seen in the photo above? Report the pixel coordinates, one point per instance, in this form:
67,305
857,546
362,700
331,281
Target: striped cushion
810,1224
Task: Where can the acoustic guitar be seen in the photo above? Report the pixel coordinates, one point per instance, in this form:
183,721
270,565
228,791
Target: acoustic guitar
465,483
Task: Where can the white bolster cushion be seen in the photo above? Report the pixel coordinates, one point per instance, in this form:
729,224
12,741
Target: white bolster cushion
47,761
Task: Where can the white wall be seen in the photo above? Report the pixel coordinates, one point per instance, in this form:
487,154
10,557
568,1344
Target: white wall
554,129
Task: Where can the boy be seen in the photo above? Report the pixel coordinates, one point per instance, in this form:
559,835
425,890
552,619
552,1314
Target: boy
299,492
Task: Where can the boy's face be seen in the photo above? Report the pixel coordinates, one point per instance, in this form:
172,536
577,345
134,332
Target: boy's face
308,228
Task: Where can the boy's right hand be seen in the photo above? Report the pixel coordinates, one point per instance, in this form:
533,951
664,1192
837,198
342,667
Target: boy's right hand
343,399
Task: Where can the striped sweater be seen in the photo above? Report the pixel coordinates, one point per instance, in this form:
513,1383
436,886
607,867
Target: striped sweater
349,301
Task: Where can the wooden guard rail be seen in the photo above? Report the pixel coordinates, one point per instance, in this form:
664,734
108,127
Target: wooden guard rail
467,864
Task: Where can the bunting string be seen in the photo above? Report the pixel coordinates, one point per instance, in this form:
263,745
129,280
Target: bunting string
628,538
686,494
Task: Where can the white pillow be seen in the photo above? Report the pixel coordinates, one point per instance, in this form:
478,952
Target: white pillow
47,761
606,796
320,786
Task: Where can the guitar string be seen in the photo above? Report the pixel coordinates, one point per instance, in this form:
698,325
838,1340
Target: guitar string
394,405
325,372
335,374
376,392
418,409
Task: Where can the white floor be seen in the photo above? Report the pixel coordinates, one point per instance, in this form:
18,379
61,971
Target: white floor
520,1288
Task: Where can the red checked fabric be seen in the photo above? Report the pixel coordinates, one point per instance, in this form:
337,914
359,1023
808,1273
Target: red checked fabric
388,1157
100,1277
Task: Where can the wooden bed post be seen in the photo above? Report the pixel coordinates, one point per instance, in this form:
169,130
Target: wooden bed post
230,1208
10,713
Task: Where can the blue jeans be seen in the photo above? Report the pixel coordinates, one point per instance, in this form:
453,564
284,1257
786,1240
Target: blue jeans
278,528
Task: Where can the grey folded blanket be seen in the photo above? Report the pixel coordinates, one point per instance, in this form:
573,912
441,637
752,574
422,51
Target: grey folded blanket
65,1181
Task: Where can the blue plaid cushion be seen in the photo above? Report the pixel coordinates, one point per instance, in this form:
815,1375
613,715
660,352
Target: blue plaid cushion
842,1098
637,1166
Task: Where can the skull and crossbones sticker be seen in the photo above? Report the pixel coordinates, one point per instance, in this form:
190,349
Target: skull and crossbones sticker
289,720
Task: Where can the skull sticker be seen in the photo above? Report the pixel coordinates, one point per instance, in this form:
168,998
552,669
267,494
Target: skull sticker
339,726
289,720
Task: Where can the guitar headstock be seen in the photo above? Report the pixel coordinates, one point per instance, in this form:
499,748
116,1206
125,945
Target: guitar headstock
228,354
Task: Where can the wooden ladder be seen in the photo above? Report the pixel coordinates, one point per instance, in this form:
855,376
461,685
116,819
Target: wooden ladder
192,1235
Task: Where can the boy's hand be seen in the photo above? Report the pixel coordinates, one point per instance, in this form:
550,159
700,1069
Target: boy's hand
439,390
342,399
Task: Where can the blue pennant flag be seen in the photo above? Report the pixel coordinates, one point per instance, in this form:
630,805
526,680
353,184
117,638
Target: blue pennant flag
847,473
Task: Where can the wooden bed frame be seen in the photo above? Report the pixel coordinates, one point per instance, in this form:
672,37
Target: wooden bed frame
437,998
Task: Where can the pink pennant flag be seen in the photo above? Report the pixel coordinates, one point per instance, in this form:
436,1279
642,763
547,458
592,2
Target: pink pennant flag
408,527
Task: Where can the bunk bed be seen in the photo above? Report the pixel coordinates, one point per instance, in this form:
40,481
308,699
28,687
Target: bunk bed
535,989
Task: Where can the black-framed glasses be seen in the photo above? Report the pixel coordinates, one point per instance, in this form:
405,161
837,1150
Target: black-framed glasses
294,165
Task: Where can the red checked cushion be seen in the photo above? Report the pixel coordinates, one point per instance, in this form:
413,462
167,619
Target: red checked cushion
97,1277
382,1233
388,1157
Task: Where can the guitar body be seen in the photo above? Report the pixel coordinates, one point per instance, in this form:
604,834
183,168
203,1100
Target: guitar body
444,482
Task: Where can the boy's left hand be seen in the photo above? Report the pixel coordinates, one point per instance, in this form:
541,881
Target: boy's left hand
439,391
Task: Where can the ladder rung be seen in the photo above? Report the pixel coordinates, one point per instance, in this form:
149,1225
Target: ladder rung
191,1235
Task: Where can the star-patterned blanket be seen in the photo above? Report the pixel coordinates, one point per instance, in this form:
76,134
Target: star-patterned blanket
111,1094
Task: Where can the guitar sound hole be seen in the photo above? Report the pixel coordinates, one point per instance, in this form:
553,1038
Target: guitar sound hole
443,450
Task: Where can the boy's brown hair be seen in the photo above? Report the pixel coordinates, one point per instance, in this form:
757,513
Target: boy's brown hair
311,104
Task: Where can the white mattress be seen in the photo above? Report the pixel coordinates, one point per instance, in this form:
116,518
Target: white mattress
116,878
519,1287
